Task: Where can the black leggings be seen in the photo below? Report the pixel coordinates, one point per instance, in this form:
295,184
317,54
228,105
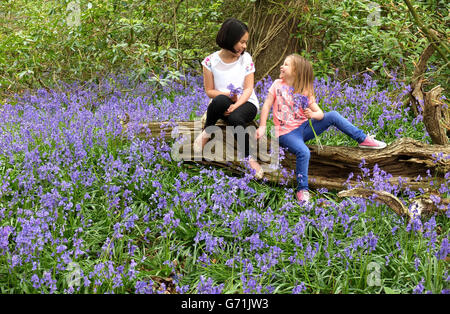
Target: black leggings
243,115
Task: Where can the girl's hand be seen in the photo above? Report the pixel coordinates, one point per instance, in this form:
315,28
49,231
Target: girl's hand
233,98
260,132
230,110
308,113
313,112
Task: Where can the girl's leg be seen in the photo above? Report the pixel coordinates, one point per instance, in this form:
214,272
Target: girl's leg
240,117
216,109
294,142
334,118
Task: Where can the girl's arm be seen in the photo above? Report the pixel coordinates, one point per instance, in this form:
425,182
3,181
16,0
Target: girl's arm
313,111
264,114
208,83
247,90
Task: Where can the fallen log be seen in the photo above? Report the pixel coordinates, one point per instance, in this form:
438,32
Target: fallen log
411,163
418,206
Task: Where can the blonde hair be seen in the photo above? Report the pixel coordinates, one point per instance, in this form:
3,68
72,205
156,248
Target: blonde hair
303,75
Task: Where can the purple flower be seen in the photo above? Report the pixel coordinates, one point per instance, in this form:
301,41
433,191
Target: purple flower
417,263
419,288
4,234
444,250
234,91
182,289
207,286
299,288
144,287
301,101
372,241
36,282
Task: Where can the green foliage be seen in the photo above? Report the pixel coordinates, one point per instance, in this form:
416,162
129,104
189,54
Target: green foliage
43,42
379,36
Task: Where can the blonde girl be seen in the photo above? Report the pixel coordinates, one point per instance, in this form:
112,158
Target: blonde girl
290,114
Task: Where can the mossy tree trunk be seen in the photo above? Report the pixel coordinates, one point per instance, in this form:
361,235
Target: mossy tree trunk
272,26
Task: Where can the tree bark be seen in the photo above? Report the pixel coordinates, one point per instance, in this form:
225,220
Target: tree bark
436,116
416,95
271,24
419,206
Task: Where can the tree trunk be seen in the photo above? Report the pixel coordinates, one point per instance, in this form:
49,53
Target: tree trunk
416,163
436,116
416,95
271,24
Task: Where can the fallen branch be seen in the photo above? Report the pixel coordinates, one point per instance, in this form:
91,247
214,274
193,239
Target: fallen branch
382,196
419,206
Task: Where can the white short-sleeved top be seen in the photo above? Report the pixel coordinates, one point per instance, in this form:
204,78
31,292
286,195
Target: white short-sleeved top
231,73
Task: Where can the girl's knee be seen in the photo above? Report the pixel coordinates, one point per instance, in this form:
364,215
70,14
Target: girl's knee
221,99
304,153
333,114
301,152
332,117
219,104
235,120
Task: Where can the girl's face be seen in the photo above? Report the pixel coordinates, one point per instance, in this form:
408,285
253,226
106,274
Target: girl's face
241,45
286,69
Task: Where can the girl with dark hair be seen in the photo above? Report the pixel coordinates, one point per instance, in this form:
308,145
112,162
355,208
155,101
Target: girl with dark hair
224,72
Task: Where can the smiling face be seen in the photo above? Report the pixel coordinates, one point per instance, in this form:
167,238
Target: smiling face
241,45
287,70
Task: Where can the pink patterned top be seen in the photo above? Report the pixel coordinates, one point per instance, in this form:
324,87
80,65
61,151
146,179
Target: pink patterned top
286,116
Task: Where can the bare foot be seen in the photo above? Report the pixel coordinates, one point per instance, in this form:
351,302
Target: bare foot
259,172
201,141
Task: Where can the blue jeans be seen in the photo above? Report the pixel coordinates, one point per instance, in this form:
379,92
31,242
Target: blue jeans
295,140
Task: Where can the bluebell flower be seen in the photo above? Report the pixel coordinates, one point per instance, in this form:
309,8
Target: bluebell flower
444,250
299,288
234,91
419,288
416,263
301,101
207,286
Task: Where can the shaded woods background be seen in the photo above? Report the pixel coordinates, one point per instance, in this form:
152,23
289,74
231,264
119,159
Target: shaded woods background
44,42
